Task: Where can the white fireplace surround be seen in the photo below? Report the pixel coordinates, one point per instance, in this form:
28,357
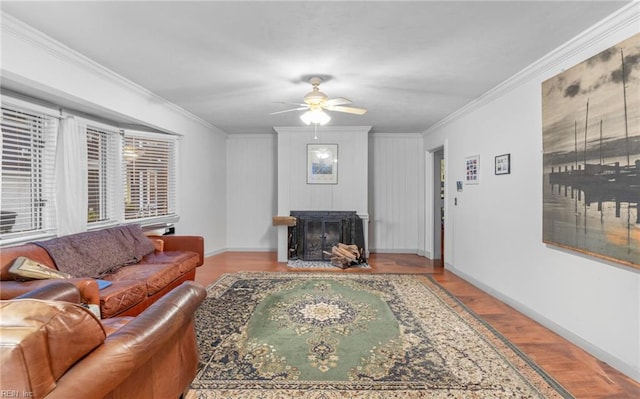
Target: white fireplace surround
349,194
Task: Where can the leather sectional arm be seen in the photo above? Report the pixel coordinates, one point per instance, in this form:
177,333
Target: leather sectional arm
130,347
59,290
184,243
88,288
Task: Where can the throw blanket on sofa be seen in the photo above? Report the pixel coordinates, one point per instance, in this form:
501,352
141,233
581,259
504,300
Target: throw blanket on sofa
97,253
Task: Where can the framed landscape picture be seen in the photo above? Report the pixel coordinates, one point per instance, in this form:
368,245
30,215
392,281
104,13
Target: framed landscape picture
591,155
322,164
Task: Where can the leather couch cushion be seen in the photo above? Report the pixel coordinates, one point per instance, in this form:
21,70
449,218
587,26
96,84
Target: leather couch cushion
121,295
186,260
44,345
156,276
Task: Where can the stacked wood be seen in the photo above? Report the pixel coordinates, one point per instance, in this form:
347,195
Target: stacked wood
343,255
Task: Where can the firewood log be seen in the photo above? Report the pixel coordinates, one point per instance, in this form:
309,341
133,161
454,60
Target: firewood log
347,258
351,248
344,250
343,255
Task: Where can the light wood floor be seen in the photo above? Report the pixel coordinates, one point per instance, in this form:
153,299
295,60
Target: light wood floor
580,373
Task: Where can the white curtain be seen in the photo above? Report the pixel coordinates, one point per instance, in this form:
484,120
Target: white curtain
71,177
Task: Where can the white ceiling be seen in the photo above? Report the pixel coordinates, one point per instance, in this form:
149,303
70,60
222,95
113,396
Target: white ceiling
409,63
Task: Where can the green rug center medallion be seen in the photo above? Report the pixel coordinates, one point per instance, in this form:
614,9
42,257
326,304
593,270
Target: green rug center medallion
320,330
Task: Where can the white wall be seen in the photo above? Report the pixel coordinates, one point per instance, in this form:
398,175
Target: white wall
202,201
396,193
494,234
36,62
251,192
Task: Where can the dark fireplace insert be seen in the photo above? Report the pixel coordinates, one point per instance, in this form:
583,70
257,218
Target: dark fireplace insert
318,231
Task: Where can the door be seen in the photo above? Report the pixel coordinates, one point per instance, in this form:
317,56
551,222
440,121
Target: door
438,204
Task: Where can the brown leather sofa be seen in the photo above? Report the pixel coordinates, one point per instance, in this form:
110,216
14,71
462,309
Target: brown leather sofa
55,349
134,287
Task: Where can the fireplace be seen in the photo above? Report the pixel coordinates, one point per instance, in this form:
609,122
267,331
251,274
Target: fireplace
318,231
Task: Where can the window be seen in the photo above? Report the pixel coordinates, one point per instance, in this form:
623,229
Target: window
102,157
27,191
150,176
131,176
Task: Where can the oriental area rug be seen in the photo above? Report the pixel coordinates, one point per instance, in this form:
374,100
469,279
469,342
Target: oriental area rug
327,335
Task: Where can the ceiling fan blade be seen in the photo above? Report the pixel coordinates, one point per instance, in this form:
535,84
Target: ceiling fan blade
338,101
349,110
288,103
288,110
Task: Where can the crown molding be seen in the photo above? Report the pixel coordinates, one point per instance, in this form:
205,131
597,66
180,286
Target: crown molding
629,15
322,129
397,135
13,26
240,136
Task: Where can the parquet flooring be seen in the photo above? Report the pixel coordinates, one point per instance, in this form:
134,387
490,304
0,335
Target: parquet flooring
579,372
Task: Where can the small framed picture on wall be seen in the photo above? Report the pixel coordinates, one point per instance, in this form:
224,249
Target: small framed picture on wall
322,164
472,170
503,164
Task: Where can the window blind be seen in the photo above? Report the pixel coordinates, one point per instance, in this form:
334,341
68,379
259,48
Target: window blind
131,175
149,165
28,156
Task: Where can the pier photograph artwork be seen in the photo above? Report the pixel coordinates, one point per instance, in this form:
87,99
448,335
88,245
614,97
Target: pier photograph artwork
591,160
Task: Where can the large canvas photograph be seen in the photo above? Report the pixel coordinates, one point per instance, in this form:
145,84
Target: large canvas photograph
591,162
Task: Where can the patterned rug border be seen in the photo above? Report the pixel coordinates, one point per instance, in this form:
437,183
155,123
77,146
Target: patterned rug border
543,374
446,298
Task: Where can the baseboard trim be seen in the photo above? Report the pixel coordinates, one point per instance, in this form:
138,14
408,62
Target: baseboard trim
250,250
223,250
599,353
396,251
215,252
424,254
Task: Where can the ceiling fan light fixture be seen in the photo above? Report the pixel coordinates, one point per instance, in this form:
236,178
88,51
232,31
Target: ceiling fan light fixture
316,102
315,116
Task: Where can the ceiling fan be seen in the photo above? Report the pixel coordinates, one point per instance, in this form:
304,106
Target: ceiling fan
316,102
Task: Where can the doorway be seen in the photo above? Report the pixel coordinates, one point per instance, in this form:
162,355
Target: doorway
438,204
